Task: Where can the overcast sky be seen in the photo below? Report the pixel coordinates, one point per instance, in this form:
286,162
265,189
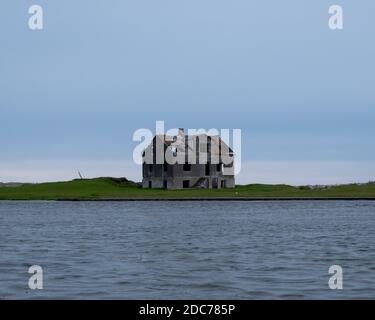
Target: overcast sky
72,95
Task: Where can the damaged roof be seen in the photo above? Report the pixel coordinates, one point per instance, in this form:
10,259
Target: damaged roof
180,142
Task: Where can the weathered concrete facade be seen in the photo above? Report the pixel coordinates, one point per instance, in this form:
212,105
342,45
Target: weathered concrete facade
186,173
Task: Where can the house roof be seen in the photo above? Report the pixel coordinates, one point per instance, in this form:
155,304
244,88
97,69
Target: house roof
178,142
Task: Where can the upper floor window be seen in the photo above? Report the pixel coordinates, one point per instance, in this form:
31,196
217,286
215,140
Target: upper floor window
174,151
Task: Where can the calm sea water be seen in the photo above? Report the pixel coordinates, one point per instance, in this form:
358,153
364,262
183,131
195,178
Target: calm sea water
183,250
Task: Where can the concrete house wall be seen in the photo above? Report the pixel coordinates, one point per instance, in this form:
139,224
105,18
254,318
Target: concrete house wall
175,175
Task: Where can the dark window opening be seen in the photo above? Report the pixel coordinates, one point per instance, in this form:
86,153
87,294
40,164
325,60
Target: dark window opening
165,185
187,167
218,167
207,169
228,165
174,151
150,184
223,183
186,184
165,167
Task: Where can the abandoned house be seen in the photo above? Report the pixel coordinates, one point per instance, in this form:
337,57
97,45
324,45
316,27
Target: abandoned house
201,161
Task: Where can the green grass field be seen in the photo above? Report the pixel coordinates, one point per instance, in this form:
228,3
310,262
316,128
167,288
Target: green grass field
109,188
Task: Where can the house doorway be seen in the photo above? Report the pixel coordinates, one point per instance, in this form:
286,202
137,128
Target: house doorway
215,183
222,183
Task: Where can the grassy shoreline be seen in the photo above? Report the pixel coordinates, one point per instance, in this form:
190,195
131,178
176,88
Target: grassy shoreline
112,189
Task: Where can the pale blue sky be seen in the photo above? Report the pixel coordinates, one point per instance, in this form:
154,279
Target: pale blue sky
99,70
